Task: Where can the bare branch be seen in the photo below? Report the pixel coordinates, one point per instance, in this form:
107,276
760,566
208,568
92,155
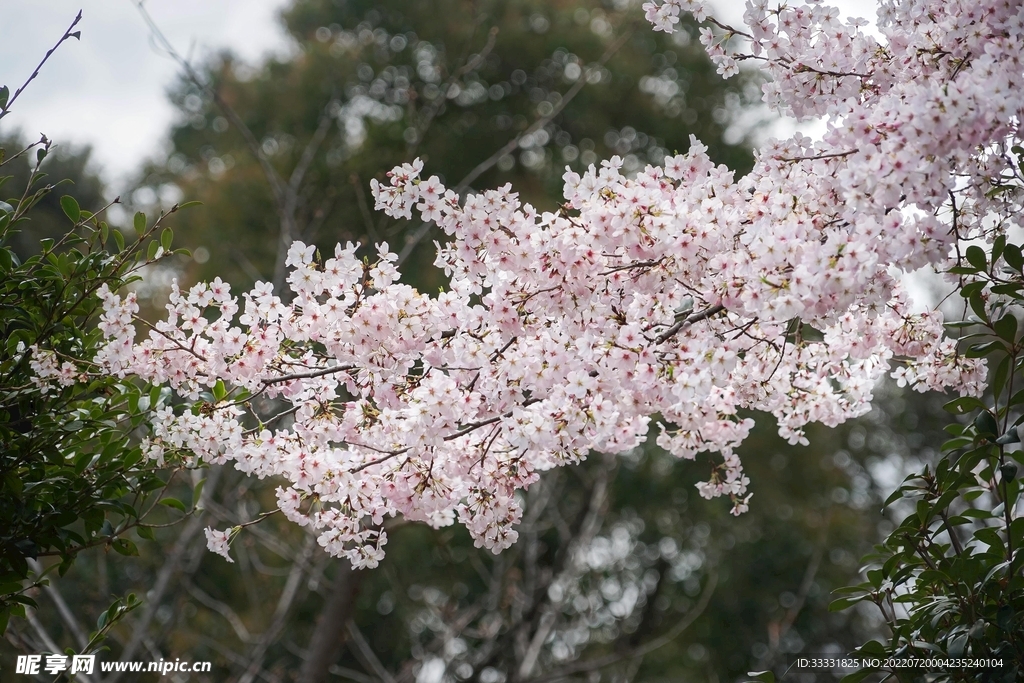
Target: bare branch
284,604
364,208
172,563
310,374
284,193
435,106
688,321
777,630
62,607
513,144
352,675
70,33
277,184
642,650
330,625
48,641
221,608
291,196
366,653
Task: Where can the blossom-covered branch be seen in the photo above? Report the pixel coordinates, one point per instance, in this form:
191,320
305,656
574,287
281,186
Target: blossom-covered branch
680,292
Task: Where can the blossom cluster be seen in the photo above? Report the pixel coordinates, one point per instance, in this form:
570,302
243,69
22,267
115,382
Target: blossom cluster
48,370
680,292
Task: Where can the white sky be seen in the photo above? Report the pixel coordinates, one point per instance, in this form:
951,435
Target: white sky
109,89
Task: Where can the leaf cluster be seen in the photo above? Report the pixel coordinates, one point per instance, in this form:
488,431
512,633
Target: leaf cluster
72,472
948,580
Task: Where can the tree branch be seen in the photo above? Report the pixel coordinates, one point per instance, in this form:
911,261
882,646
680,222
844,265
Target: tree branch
5,109
330,625
284,604
641,650
513,144
366,653
687,322
163,581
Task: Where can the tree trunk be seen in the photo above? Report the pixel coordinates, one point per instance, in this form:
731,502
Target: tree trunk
330,625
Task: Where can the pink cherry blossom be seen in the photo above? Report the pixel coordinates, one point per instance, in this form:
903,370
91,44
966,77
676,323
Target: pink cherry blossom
680,292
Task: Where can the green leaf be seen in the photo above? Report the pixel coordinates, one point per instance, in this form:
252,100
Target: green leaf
197,493
173,503
5,94
963,405
893,497
219,390
165,239
140,223
976,257
978,306
1000,375
958,442
1013,257
1006,328
762,676
1009,437
151,252
131,458
872,647
71,208
844,603
985,425
998,244
82,461
972,288
982,350
1012,289
963,270
125,547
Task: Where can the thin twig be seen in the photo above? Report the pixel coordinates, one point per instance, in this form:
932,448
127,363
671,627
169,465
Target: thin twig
6,108
62,607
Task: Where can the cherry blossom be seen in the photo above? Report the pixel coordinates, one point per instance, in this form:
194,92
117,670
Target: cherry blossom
219,542
680,295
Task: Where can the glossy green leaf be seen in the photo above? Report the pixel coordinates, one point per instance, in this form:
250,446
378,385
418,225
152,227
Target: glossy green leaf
71,209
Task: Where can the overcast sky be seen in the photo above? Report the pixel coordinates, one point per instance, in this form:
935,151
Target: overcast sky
109,89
